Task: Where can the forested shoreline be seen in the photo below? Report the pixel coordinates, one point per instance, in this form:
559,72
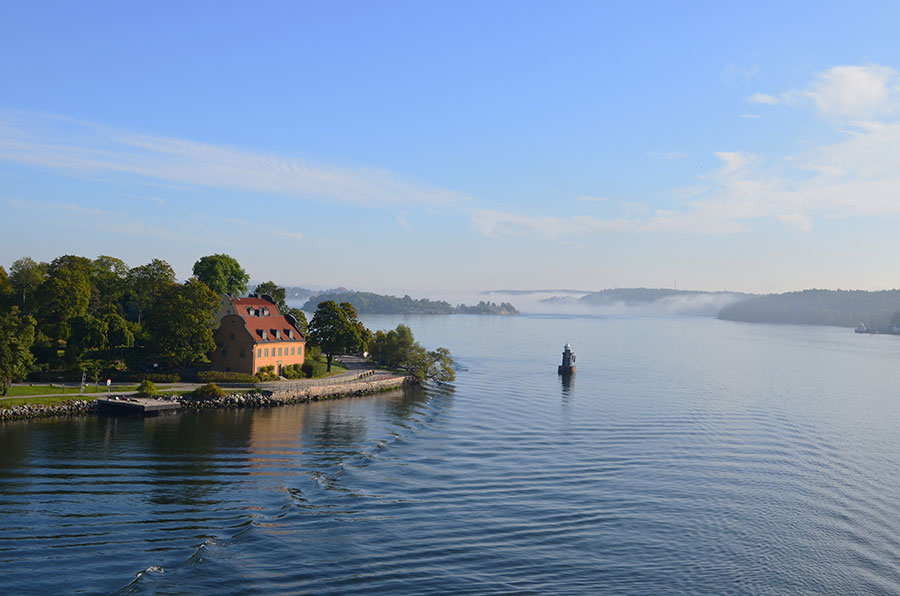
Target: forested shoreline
381,304
77,317
842,308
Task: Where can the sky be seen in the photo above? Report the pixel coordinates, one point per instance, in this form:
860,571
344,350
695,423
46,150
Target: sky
437,148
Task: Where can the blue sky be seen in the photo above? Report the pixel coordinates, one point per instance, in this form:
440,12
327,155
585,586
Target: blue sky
439,148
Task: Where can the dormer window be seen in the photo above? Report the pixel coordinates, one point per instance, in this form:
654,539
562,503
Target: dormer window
291,333
265,334
278,334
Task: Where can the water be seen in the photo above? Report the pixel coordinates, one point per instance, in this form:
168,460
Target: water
688,456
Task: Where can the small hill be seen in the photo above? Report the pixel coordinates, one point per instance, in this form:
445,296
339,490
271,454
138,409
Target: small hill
843,308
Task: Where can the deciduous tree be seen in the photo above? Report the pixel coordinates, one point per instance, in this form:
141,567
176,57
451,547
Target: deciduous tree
181,322
279,295
65,294
147,282
86,332
222,273
109,276
16,337
333,331
26,276
118,334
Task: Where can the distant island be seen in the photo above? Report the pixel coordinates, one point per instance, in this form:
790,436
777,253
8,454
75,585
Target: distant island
371,303
842,308
654,301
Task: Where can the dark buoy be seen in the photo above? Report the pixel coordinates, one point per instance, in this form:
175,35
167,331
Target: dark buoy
568,362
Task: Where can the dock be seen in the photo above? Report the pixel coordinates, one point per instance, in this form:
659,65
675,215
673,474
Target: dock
140,406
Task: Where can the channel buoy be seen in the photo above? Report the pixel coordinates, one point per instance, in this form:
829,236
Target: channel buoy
568,361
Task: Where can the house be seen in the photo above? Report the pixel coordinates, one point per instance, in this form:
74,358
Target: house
233,306
256,335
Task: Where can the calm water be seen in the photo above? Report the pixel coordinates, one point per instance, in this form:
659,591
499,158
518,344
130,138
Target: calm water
689,456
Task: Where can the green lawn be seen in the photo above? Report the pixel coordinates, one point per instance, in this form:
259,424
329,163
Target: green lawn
34,401
21,391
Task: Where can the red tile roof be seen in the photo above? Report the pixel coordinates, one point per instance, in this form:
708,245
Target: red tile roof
271,324
242,304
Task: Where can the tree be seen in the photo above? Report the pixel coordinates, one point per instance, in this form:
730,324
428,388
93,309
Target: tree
86,332
394,348
109,276
65,294
300,317
435,365
399,349
26,277
118,334
222,273
181,322
16,338
147,282
365,336
333,331
7,292
278,294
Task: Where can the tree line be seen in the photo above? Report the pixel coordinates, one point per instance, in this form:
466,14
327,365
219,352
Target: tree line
371,303
843,308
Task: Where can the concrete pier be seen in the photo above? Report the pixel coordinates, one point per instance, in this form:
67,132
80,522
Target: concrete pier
141,406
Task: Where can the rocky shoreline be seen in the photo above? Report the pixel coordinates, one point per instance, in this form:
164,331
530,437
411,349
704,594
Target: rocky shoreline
254,399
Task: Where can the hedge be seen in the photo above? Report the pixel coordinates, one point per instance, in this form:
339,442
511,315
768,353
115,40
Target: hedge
218,376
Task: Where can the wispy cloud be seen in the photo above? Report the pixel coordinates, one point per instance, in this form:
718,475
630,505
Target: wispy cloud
258,230
763,98
85,149
857,176
851,92
856,91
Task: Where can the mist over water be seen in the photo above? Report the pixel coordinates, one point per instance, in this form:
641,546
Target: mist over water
686,456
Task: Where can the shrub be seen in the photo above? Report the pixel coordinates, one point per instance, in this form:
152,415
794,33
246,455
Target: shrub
292,371
209,391
314,368
147,388
212,376
266,373
161,377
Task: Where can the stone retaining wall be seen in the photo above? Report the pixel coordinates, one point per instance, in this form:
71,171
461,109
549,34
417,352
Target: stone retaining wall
263,399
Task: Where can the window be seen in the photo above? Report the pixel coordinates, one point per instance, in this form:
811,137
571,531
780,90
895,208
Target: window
243,352
279,351
267,352
292,351
259,352
231,337
224,352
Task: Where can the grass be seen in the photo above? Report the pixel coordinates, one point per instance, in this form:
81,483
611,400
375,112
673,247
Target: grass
43,401
28,390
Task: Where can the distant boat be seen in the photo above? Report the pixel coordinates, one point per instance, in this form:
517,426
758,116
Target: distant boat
861,328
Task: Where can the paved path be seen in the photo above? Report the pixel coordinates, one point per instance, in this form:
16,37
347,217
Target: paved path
354,364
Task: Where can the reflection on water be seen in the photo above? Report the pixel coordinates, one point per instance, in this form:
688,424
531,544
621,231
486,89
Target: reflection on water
700,457
568,384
